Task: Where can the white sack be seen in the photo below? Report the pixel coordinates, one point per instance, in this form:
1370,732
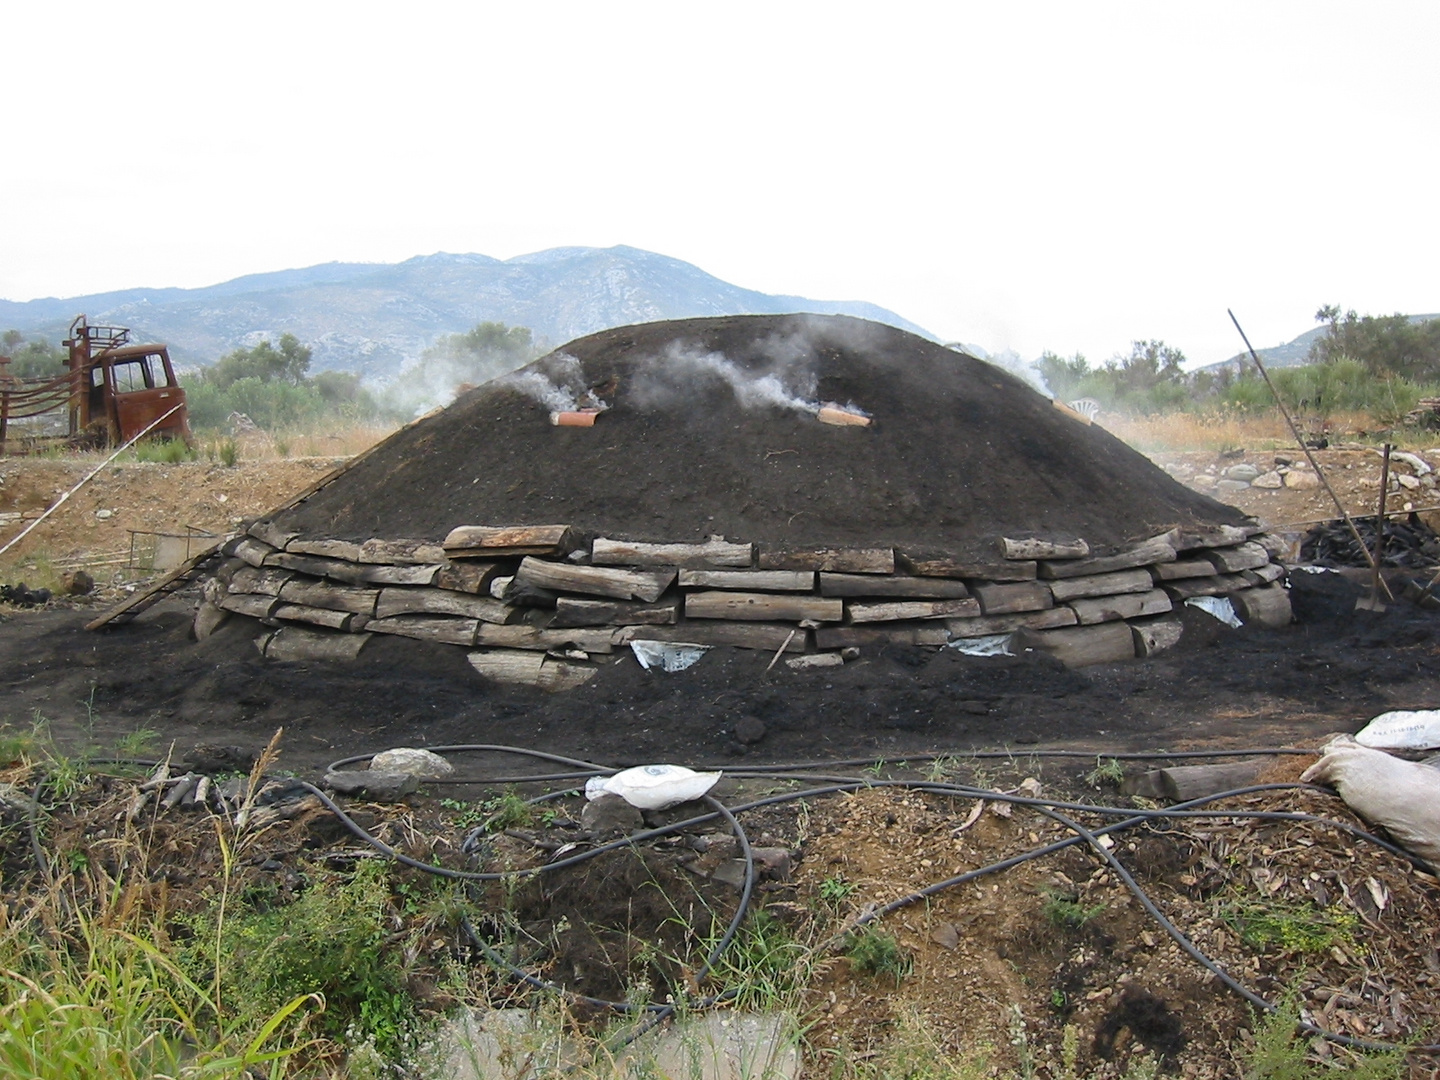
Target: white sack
655,787
1402,796
1417,729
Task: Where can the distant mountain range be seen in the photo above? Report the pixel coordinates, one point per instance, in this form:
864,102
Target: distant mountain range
370,318
1292,353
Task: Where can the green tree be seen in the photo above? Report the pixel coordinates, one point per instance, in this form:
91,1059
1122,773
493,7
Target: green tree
1388,345
36,359
1062,376
479,354
287,364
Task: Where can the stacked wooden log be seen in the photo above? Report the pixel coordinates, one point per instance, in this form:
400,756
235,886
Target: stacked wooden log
546,605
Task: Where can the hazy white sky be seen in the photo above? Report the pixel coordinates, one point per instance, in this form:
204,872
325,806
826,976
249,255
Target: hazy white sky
1033,176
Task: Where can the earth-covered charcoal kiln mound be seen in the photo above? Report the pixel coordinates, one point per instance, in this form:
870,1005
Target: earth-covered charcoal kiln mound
784,483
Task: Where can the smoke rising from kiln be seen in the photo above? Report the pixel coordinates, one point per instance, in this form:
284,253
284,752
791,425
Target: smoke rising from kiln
559,388
789,382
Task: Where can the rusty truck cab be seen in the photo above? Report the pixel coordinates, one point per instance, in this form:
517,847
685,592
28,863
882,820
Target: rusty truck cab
120,388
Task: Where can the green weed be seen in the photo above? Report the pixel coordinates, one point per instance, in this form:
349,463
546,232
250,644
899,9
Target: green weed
162,451
1278,1054
1065,911
875,952
228,451
1290,928
835,889
1107,773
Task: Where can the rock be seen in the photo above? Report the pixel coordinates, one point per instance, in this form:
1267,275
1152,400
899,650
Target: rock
1282,460
945,935
15,801
1298,479
731,872
500,1044
1242,471
1203,481
104,515
1231,485
77,583
211,758
610,816
720,1045
422,764
1407,481
750,730
772,862
371,784
1269,480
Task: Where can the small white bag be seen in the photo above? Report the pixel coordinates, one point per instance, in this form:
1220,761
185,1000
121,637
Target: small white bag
653,787
1417,729
1403,796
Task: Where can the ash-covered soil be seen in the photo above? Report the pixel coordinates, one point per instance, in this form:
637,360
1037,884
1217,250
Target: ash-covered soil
710,429
1331,671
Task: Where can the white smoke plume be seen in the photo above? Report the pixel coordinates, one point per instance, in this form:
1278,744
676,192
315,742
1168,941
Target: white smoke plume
789,384
560,387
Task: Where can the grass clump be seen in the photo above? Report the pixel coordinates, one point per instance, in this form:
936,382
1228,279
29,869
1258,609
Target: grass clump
873,951
1064,910
1290,928
1279,1054
162,451
1107,773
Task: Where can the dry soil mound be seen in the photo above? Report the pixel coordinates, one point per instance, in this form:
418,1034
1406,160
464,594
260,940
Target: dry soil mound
711,428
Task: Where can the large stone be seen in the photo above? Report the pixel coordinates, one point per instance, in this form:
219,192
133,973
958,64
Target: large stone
719,1045
422,764
1269,480
371,784
609,817
1242,471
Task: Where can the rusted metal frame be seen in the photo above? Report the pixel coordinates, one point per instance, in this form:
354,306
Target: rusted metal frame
1299,441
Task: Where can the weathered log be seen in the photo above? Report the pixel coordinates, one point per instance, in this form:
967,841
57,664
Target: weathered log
208,618
414,574
1156,633
815,661
1219,585
469,577
400,552
1078,646
324,594
1268,606
844,637
488,542
948,566
570,612
354,573
1026,548
291,643
1232,560
446,629
764,636
1181,783
749,580
837,560
900,610
918,588
266,581
762,607
1005,599
403,601
1188,538
522,668
530,637
1006,624
714,552
1119,581
254,605
1269,572
1099,609
1147,554
252,551
327,617
330,549
268,532
1182,568
644,585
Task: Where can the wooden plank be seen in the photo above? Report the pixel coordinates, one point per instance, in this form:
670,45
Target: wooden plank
1268,606
488,541
767,637
1008,624
324,594
1078,646
837,560
1189,537
570,611
445,629
1007,599
842,637
348,550
1247,556
762,607
266,531
517,667
1147,554
1026,548
403,601
251,604
948,566
1219,585
470,577
1098,609
902,610
401,552
294,643
918,588
252,551
1121,581
749,580
644,585
1182,568
1156,634
267,581
714,552
530,637
335,620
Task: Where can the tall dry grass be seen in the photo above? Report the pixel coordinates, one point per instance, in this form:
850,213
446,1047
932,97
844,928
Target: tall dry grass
1227,430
